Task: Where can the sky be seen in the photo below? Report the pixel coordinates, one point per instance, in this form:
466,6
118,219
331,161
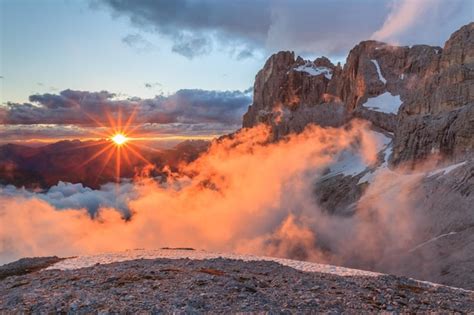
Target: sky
186,66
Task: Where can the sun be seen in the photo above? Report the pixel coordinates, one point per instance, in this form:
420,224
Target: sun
116,141
119,139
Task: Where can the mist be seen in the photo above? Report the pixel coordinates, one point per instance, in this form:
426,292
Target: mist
246,194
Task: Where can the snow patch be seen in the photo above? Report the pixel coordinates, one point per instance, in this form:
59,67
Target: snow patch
350,163
311,69
385,103
367,178
107,258
445,170
370,176
381,78
382,140
431,240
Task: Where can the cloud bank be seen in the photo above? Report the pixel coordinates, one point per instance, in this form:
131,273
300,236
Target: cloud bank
185,112
317,27
246,195
76,196
137,42
79,107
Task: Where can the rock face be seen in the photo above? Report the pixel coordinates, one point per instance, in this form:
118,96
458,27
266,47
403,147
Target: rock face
45,166
423,94
289,94
438,116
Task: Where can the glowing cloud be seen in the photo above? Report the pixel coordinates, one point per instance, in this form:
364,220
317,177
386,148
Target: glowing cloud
403,15
247,194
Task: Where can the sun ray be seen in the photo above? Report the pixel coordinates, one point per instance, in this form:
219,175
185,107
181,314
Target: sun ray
119,120
96,155
130,119
104,165
132,131
86,145
147,147
100,134
127,157
112,122
118,159
119,134
98,122
138,154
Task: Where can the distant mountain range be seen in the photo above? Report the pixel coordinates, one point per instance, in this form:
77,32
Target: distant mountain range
70,161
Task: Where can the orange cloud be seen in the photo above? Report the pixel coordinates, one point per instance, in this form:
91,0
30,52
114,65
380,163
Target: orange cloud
246,194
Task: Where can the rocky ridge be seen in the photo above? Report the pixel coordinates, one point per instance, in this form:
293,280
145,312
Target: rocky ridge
423,94
220,286
421,100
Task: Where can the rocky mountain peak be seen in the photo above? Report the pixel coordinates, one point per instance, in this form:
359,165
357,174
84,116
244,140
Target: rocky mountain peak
459,49
423,94
324,62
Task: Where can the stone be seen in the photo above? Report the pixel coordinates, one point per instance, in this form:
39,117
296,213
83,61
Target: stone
435,86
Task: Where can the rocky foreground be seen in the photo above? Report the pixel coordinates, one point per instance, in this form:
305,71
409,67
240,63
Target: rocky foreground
214,285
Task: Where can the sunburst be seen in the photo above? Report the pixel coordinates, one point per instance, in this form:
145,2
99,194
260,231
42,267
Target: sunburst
118,142
119,139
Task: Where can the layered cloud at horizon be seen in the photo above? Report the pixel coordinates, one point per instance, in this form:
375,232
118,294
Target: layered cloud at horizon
318,27
70,112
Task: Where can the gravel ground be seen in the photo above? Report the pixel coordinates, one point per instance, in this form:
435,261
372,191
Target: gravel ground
220,286
27,265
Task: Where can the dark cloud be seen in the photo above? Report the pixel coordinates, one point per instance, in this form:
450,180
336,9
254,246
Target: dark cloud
249,90
192,46
306,26
151,85
84,108
244,54
138,42
193,24
71,99
194,106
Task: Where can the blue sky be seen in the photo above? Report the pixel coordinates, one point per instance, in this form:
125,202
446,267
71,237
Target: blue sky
63,44
52,45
